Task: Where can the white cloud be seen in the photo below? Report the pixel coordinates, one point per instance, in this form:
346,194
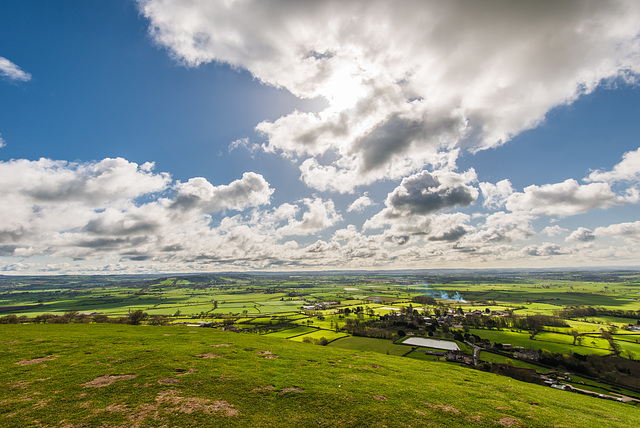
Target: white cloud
581,234
321,214
108,181
565,199
628,169
3,143
554,230
12,71
405,81
495,195
360,204
252,190
629,231
546,249
502,227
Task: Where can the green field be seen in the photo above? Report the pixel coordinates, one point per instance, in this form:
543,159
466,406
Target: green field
139,376
370,344
522,339
291,332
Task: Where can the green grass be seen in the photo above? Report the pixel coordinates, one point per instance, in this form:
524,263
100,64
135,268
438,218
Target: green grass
501,359
306,385
522,339
290,332
318,334
371,344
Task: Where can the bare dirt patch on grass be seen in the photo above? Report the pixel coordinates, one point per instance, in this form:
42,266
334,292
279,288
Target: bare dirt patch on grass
268,355
10,343
121,408
169,381
443,407
19,384
36,360
106,380
210,355
42,403
380,397
291,389
509,422
221,345
175,403
263,388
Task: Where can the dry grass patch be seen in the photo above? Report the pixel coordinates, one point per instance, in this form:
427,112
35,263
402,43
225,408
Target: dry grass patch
509,422
36,360
42,403
20,384
267,355
176,403
443,407
210,355
291,389
263,388
106,380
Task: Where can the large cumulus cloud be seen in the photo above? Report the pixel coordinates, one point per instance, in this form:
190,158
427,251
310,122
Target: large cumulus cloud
405,81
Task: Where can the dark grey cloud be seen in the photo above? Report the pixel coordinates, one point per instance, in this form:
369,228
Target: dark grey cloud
425,193
450,235
133,225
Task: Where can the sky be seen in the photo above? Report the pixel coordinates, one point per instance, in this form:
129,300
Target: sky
157,136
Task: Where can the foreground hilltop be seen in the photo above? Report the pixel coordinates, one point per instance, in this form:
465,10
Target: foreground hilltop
111,375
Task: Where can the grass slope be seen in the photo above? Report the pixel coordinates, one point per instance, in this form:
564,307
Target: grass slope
105,375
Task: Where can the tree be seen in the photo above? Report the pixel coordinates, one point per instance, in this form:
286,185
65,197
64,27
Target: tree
158,320
401,333
136,317
575,334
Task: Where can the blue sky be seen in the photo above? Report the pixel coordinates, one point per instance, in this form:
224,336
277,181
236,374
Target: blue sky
159,136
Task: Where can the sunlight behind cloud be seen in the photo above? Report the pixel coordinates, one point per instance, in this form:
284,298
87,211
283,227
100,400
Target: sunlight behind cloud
343,90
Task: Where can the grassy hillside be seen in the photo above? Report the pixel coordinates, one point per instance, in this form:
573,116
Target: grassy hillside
108,375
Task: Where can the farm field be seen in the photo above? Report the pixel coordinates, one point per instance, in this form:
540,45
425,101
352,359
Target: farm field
370,344
522,339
